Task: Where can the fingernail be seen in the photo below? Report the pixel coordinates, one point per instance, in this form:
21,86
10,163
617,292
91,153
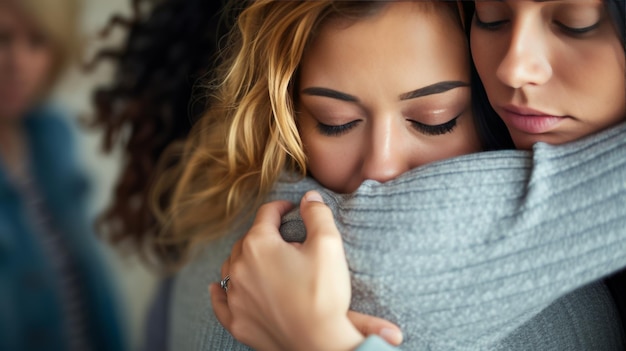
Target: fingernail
392,336
313,196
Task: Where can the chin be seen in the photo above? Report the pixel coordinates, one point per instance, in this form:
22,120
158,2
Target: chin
526,141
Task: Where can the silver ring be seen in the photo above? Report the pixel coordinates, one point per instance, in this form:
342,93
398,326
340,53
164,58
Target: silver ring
224,283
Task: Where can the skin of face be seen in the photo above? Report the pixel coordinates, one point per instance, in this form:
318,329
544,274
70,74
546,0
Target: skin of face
553,70
384,94
26,61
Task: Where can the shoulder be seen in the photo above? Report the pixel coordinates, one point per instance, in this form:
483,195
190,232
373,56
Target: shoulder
52,136
55,156
50,122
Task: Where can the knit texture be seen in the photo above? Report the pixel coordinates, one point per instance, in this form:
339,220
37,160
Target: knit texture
470,253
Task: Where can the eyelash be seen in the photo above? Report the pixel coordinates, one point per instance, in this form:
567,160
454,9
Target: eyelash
569,30
487,25
427,129
578,31
329,130
436,129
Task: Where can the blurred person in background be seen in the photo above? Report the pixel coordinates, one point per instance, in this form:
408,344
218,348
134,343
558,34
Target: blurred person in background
54,288
151,102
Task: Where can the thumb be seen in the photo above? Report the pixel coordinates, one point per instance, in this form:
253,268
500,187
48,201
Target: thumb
370,325
318,220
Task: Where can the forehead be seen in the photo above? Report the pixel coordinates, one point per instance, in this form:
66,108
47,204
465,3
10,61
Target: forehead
13,17
401,48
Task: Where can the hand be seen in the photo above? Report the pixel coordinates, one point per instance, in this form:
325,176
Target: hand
370,325
288,296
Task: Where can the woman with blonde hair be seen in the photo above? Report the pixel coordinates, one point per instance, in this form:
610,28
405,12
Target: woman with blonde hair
249,139
354,95
54,289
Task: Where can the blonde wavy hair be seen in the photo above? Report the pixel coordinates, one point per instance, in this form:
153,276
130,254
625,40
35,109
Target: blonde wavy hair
249,137
59,20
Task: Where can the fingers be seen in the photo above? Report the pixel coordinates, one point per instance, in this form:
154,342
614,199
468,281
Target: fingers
220,305
235,252
316,215
225,268
318,219
271,213
242,332
267,221
370,325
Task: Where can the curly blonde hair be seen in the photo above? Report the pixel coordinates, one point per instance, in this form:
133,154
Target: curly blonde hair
249,138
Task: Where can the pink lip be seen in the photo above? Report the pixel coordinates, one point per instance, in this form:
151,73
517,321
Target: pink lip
529,120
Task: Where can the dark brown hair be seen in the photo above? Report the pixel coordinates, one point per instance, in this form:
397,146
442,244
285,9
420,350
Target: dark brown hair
152,102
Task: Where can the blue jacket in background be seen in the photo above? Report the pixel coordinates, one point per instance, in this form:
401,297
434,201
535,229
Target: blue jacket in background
30,311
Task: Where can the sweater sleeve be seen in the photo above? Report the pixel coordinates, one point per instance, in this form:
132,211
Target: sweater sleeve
374,343
463,251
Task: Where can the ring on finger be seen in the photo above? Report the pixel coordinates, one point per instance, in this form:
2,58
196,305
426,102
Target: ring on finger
224,283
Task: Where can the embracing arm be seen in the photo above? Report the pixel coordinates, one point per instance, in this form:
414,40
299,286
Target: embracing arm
471,248
464,251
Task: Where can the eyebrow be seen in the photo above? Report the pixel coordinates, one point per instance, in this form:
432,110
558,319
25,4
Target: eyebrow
436,88
329,93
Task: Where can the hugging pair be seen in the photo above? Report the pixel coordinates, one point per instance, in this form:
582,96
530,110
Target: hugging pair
492,250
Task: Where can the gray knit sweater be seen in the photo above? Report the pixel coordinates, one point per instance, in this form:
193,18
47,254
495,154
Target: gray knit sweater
498,250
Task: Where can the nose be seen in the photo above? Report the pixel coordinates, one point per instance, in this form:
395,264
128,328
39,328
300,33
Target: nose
386,156
527,59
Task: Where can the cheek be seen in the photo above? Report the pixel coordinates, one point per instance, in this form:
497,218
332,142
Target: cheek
464,141
4,58
39,69
486,54
612,83
613,107
331,162
597,92
7,63
479,46
471,142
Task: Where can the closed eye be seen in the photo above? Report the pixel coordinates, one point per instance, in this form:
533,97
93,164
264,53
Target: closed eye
330,130
488,25
578,31
438,129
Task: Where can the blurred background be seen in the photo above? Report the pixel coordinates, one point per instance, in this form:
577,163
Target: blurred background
135,282
136,88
